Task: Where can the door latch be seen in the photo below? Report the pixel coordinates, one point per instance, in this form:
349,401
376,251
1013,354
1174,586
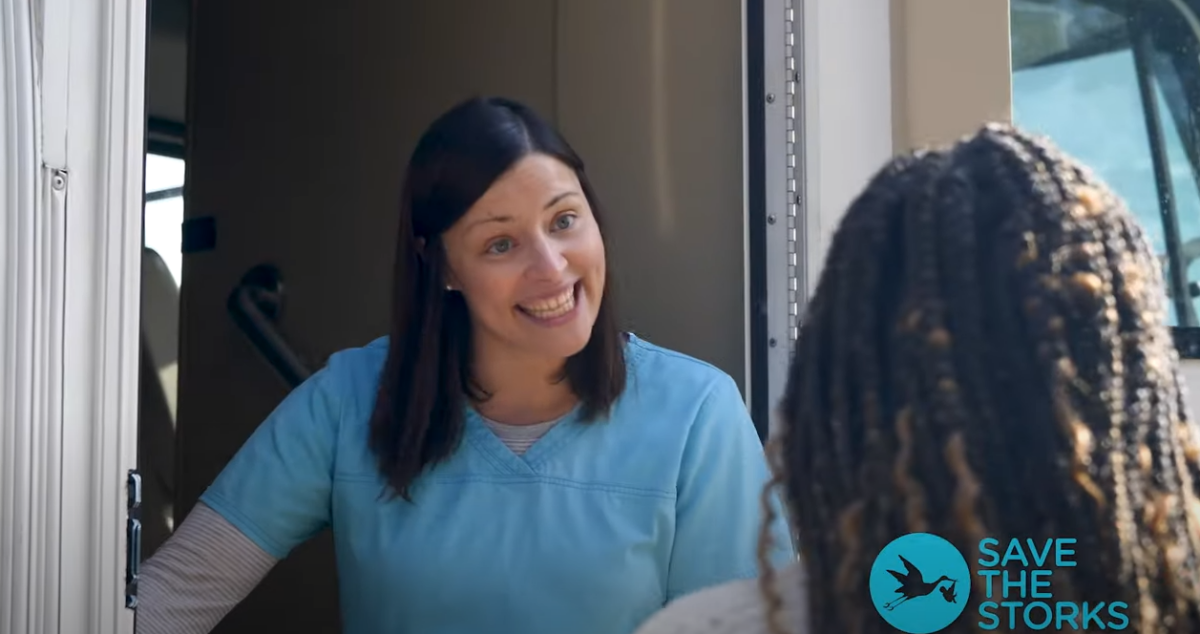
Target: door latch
133,537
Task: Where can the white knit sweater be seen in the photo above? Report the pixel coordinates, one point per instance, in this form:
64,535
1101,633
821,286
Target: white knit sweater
734,608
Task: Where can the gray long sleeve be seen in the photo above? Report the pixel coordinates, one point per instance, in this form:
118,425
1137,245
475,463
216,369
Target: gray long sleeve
198,575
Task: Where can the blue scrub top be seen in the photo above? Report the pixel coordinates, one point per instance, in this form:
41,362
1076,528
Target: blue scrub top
591,531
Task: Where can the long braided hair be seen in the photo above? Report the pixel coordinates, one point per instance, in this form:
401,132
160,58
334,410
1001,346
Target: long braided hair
986,356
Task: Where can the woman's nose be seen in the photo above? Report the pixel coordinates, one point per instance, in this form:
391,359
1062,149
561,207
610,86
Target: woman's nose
547,260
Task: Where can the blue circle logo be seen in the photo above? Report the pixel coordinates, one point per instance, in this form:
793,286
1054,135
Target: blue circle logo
920,583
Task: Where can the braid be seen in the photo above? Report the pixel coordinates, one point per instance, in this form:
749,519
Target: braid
767,579
985,355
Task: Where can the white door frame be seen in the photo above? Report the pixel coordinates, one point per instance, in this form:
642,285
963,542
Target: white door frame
826,127
70,245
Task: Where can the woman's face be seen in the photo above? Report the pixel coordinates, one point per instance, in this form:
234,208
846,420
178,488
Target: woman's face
529,260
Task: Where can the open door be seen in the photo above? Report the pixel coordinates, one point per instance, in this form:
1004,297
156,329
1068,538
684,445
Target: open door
70,223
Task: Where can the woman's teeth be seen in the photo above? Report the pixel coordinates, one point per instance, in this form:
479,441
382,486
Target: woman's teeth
553,307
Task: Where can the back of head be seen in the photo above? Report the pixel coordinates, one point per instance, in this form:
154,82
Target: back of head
986,356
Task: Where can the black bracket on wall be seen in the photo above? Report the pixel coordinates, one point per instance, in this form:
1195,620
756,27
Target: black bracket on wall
133,537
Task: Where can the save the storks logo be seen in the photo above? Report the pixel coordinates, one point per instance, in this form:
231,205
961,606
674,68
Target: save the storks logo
920,584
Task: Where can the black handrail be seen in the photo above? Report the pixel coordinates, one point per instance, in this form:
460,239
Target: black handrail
163,194
255,305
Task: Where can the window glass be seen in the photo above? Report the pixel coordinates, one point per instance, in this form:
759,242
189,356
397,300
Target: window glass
1116,84
163,224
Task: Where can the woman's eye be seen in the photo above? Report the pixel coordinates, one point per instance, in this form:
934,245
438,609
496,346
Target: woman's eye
500,246
564,221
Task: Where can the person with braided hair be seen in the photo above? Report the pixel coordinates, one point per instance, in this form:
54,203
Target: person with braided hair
985,355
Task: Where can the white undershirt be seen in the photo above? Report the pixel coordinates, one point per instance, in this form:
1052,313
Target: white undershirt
519,438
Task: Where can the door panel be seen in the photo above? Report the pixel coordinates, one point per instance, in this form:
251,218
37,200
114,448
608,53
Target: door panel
650,93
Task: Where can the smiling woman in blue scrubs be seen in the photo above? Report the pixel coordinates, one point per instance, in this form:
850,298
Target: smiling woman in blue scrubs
507,461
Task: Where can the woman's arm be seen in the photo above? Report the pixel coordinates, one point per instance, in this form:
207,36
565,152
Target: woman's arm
205,569
273,496
719,512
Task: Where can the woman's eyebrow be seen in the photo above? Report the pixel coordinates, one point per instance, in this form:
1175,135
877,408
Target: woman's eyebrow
502,218
559,197
482,221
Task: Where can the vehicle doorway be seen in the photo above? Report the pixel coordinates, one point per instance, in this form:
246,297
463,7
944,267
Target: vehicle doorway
279,133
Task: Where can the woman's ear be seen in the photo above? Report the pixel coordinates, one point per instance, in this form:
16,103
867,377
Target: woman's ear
451,281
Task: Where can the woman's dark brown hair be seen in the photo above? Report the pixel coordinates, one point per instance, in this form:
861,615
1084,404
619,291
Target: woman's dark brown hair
426,384
986,356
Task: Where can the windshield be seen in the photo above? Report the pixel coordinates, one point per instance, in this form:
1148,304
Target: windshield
1116,84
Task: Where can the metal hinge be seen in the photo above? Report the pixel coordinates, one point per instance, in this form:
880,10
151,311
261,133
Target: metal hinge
133,537
793,104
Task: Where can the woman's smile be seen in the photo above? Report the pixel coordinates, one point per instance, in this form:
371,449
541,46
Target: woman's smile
553,310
